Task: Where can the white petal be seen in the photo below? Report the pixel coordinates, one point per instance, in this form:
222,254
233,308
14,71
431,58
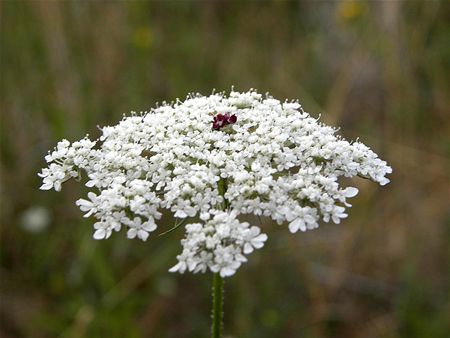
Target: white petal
192,265
84,205
57,185
46,186
350,192
131,233
293,227
142,234
296,225
43,174
108,233
149,226
180,214
181,267
226,272
384,181
100,234
248,248
309,219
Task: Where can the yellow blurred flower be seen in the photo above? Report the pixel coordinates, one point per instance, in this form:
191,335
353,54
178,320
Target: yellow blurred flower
143,37
349,10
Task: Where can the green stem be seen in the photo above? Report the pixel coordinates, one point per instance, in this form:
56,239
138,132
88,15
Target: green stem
217,310
222,187
217,286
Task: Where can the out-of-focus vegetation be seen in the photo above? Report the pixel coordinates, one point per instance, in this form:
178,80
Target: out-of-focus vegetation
380,70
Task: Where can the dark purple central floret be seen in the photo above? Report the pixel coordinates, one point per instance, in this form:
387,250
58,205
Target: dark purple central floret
222,120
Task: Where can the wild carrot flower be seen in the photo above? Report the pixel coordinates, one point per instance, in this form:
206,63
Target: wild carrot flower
209,160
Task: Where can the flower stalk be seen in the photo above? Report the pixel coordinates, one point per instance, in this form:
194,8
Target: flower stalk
217,284
269,158
217,309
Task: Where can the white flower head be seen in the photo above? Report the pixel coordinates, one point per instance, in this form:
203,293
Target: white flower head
218,244
212,159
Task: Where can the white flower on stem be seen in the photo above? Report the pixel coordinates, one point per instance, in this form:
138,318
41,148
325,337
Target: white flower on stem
241,152
139,229
88,206
219,244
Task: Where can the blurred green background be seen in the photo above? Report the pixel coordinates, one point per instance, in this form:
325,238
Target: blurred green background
379,70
